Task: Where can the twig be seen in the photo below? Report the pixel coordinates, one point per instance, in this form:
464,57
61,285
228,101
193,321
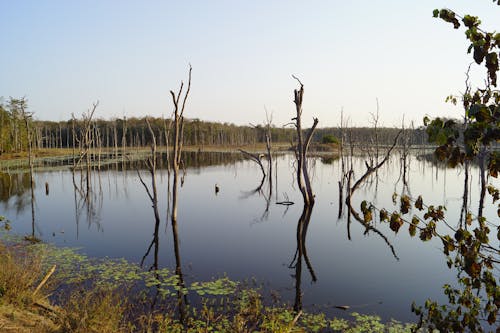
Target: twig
45,279
294,321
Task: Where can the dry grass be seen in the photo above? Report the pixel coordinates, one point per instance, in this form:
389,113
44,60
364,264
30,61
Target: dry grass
37,154
89,310
20,273
18,277
81,310
16,320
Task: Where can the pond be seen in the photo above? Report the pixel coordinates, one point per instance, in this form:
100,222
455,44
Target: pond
242,233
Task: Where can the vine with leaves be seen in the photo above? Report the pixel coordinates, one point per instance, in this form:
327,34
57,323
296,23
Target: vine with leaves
475,298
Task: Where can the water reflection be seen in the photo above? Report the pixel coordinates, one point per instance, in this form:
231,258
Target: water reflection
301,254
172,203
219,233
88,198
14,186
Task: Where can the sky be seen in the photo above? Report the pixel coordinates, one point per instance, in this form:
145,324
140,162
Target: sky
64,55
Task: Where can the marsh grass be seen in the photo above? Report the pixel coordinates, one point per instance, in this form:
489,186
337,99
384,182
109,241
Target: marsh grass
116,296
19,275
93,309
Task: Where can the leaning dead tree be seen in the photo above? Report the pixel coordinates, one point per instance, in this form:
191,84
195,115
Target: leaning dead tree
257,158
369,171
350,190
303,180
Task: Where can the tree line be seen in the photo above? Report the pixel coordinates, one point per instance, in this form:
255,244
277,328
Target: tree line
125,132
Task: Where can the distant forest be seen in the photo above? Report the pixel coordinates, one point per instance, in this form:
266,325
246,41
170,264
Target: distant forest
133,132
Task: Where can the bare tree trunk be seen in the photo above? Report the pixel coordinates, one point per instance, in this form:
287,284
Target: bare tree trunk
124,138
343,169
178,123
178,137
303,180
27,116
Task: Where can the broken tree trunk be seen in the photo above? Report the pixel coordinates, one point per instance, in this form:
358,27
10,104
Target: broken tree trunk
303,179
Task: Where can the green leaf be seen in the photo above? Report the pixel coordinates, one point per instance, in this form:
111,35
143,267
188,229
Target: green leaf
471,21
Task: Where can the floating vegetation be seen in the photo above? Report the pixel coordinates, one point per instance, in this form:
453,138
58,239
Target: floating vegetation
96,296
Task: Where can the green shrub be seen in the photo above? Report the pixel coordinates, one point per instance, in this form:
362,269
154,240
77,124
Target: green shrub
329,139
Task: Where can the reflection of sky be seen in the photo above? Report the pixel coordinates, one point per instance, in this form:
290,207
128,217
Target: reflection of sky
225,233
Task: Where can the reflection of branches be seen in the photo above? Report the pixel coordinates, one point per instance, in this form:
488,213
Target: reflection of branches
372,228
151,164
86,202
465,198
267,198
300,253
155,242
258,189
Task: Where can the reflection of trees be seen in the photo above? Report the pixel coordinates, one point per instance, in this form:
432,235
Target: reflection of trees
15,185
88,200
266,192
301,253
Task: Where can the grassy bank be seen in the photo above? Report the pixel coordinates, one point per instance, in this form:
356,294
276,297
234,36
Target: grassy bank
89,295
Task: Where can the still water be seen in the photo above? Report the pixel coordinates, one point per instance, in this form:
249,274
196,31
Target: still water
244,234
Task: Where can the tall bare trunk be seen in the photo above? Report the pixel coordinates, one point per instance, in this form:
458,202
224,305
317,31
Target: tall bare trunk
303,179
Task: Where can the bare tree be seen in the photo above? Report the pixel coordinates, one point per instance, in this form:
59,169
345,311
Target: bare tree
178,138
85,144
21,104
369,171
178,126
303,180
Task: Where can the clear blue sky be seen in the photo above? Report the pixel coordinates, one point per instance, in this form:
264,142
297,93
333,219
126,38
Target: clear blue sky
63,55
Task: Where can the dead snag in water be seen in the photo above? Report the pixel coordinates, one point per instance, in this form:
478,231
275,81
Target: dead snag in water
85,142
27,116
303,180
257,158
178,127
369,170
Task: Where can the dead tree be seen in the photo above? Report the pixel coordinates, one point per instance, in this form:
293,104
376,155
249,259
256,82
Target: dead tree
257,158
269,121
303,180
369,171
27,117
343,176
178,127
85,143
405,146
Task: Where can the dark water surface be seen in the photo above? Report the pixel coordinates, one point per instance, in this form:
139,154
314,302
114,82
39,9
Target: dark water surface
245,234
